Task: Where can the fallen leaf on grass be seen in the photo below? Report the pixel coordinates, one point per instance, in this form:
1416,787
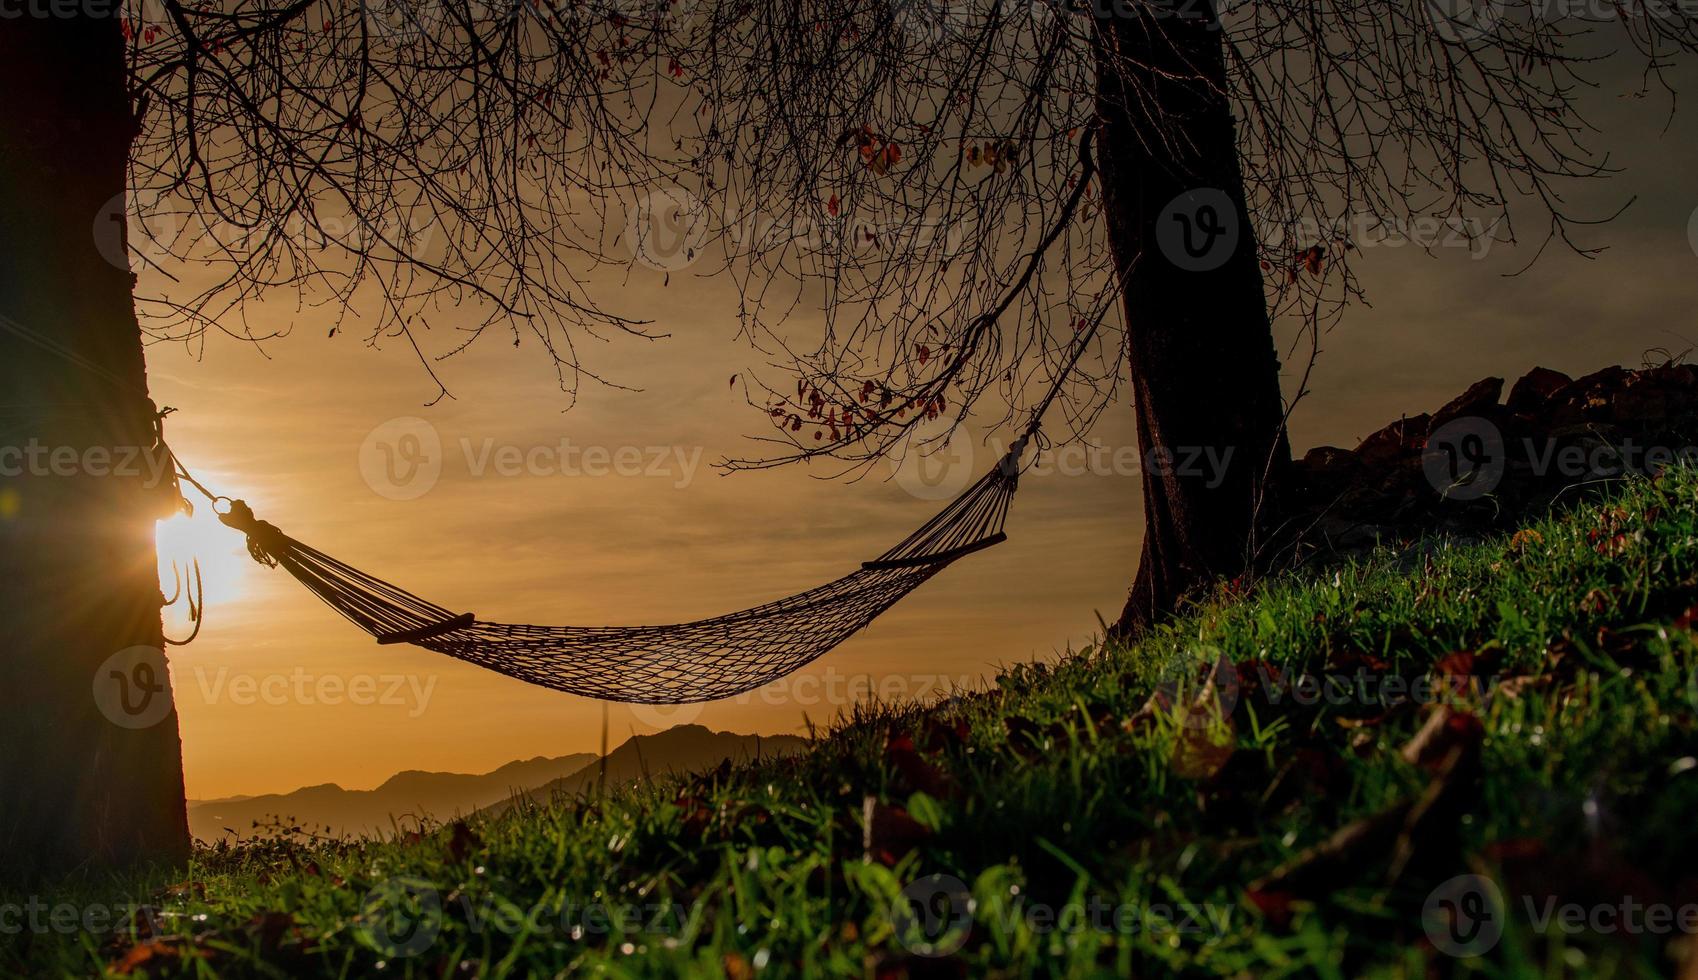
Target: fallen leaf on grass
1621,648
736,967
1449,745
888,832
1201,751
697,814
1596,601
1314,771
270,928
182,890
163,954
915,770
1453,756
1445,730
1514,687
941,736
1275,906
1338,860
462,841
1025,736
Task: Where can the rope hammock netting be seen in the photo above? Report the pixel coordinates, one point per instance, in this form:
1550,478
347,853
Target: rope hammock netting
698,661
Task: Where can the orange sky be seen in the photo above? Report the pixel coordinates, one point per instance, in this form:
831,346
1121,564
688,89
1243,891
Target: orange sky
279,692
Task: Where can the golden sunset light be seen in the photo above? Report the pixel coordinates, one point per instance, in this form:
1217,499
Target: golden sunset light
187,539
881,488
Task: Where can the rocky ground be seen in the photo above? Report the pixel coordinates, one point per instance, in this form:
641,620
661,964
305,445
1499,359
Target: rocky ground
1484,463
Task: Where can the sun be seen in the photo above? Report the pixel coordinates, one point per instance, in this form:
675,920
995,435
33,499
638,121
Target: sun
224,562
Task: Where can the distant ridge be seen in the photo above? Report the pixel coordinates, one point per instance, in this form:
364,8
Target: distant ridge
683,749
407,798
402,801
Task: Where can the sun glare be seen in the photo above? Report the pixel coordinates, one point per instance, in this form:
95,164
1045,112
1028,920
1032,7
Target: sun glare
223,558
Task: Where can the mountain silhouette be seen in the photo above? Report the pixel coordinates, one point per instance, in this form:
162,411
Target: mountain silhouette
682,749
402,801
408,798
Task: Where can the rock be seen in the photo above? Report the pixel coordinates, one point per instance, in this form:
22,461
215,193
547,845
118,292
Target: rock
1325,471
1657,394
1681,377
1343,501
1535,389
1588,399
1395,440
1481,398
1322,458
1641,401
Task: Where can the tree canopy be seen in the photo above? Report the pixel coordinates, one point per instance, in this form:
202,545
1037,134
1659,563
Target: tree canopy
448,172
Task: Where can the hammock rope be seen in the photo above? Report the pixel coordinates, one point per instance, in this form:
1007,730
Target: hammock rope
680,663
674,664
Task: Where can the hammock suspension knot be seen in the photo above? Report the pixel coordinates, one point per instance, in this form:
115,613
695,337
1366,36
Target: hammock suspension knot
265,541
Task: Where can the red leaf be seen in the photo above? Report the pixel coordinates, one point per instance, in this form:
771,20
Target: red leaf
1275,906
1459,663
918,773
888,832
462,841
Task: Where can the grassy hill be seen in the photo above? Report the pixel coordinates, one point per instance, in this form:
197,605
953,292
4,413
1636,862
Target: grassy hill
1440,760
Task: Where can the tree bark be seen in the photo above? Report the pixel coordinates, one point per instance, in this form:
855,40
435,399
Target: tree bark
1205,374
91,765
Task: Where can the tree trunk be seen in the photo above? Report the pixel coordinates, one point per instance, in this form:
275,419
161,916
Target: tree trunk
1205,374
91,769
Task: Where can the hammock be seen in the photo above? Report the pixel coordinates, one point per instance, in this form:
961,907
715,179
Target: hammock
678,664
700,661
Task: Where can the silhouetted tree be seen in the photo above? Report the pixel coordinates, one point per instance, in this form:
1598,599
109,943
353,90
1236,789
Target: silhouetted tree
966,191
